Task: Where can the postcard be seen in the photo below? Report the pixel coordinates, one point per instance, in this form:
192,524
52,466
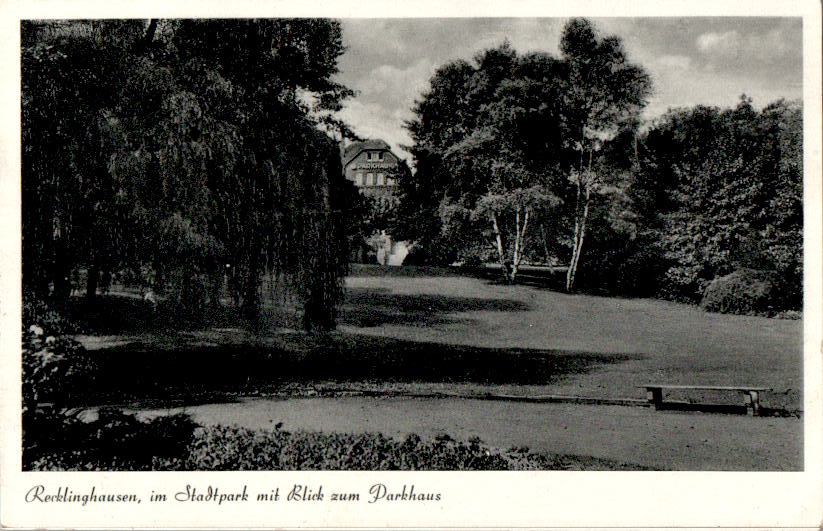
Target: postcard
411,265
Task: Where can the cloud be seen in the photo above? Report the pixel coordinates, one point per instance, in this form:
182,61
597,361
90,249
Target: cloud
674,62
525,35
397,83
719,43
386,96
706,60
373,120
756,46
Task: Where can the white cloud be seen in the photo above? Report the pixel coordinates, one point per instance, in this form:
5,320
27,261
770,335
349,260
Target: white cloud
373,120
774,45
674,62
387,95
692,61
398,83
719,43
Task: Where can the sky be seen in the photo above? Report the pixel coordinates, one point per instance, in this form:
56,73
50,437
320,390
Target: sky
710,61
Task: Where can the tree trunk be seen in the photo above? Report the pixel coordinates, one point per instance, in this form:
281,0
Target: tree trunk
92,281
520,243
61,271
148,37
570,270
105,280
251,293
577,244
215,278
504,267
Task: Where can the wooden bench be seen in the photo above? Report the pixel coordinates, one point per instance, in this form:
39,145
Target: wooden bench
751,393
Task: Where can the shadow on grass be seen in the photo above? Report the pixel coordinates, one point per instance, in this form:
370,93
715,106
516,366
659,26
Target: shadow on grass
729,409
143,371
363,307
114,314
368,307
553,279
408,271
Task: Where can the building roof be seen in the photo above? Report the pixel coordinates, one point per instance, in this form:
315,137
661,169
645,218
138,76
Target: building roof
356,148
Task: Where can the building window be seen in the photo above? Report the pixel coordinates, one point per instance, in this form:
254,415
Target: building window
390,181
369,179
374,155
359,179
381,179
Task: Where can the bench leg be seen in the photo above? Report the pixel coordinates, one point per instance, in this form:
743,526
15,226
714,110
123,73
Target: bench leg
753,403
655,397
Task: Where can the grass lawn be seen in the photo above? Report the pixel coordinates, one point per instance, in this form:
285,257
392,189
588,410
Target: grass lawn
437,331
620,343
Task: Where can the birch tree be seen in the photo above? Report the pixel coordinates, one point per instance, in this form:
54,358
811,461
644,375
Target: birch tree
604,95
485,140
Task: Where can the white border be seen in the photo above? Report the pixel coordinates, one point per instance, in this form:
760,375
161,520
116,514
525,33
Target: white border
475,499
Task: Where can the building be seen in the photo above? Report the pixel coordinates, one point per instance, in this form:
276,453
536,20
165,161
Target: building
372,167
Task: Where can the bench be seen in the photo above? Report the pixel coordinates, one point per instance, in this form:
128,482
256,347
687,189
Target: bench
751,393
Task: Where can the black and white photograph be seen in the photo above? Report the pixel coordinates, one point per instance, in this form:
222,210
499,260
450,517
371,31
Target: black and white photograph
390,245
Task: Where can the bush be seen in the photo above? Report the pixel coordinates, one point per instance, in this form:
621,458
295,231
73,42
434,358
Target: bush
617,264
46,318
54,367
745,292
231,448
114,441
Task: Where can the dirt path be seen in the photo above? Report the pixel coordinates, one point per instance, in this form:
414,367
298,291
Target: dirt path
663,440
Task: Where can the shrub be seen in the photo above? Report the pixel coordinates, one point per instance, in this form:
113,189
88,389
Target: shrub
114,441
744,292
46,318
54,367
233,448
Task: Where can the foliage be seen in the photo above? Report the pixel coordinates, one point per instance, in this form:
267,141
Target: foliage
68,74
55,367
195,132
720,190
233,448
477,184
56,370
52,322
745,292
114,440
521,146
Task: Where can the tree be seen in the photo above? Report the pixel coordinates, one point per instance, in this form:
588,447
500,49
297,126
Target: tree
480,155
720,190
71,73
513,192
440,115
547,123
603,96
201,141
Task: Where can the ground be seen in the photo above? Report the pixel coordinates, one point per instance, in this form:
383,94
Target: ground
441,333
632,435
601,346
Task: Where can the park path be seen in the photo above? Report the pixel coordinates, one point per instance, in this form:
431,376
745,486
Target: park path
658,439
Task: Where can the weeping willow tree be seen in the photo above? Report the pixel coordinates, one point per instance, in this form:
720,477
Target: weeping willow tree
206,156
